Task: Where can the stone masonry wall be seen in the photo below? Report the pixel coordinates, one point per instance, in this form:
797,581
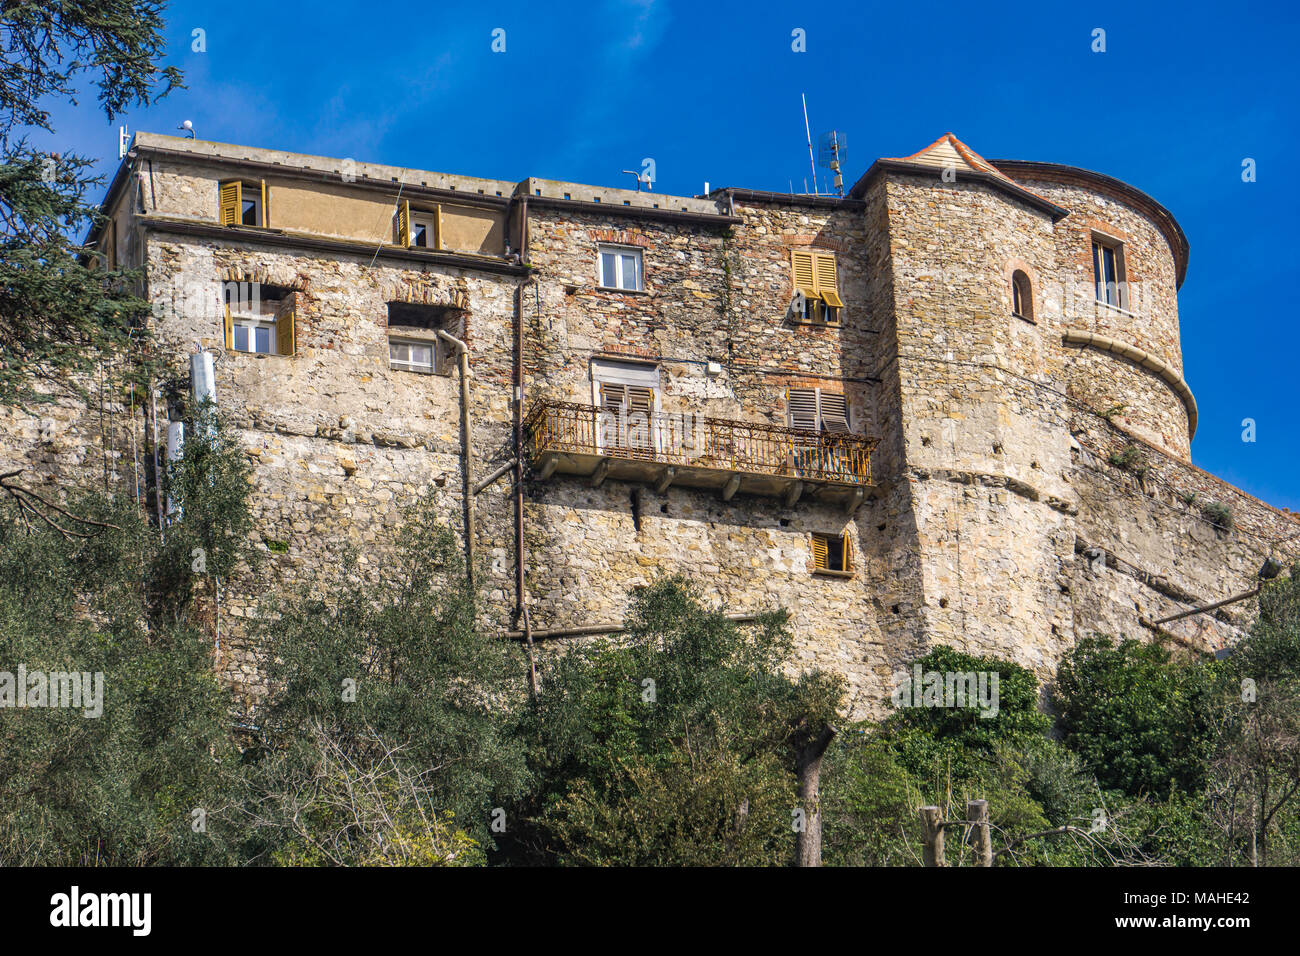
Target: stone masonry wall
999,522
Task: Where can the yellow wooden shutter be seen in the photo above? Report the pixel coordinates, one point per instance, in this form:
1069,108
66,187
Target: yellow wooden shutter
827,280
437,226
801,267
230,329
231,202
285,333
820,561
834,413
404,223
802,406
266,215
848,553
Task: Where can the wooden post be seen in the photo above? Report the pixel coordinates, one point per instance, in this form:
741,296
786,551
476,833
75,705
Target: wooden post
932,822
977,812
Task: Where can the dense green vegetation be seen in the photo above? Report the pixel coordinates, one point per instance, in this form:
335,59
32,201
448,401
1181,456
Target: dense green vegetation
398,730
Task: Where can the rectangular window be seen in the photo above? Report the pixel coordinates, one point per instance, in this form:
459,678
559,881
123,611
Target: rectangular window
818,410
413,343
832,554
254,337
1108,273
410,355
419,228
242,203
620,268
627,397
260,318
815,276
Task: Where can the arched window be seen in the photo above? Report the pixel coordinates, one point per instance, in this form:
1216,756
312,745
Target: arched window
1022,296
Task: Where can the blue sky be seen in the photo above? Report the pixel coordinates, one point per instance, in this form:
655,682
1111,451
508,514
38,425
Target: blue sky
710,91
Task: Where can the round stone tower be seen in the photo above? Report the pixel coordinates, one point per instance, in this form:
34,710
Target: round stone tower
1122,352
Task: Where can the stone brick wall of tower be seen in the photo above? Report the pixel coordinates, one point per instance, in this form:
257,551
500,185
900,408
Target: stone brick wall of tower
1029,537
1147,406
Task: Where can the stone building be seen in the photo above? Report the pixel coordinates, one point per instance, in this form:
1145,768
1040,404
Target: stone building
946,408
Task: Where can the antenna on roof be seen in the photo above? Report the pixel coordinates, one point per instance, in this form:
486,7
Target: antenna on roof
831,149
123,142
808,133
633,172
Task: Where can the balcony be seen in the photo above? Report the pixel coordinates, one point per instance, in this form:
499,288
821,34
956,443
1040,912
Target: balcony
666,448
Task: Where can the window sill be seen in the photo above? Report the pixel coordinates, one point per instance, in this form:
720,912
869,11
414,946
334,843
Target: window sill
813,323
826,573
265,230
1024,318
420,371
605,288
1116,308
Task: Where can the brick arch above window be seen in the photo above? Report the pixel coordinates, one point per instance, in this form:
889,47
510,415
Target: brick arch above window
1029,274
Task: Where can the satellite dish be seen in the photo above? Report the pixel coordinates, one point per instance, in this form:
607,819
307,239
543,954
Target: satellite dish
188,126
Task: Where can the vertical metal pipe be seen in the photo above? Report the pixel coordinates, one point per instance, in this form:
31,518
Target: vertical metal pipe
521,608
467,451
157,472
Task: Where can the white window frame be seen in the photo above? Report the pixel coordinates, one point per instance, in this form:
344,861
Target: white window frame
251,193
250,324
614,372
427,219
619,252
1116,246
399,365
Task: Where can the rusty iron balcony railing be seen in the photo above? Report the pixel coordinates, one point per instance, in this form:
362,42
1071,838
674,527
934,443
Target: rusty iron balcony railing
688,449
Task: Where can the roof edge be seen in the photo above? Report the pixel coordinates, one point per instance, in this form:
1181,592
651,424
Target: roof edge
1114,188
999,182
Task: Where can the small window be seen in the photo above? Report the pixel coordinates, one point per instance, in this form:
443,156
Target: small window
412,355
419,228
260,318
832,554
1109,273
1022,297
816,282
817,410
243,203
413,343
620,268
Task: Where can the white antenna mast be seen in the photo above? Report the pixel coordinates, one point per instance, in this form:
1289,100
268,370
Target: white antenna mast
807,132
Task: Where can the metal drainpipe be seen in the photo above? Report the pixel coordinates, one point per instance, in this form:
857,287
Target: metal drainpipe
467,450
522,605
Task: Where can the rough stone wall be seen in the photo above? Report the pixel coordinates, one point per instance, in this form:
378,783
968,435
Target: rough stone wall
1148,407
1029,537
985,453
709,296
998,524
340,442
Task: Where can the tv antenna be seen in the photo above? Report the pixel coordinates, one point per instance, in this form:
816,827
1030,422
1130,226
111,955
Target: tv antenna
830,154
808,134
